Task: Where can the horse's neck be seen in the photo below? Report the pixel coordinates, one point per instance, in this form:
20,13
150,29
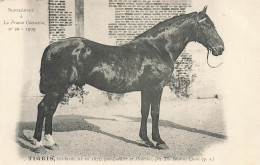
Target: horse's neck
172,41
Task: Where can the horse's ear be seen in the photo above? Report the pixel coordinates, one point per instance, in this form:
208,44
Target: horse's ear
204,9
202,13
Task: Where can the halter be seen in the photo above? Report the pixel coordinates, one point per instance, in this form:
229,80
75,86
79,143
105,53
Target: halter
197,33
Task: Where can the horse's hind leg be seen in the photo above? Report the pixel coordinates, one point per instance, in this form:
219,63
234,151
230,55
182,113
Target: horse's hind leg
42,110
48,120
46,108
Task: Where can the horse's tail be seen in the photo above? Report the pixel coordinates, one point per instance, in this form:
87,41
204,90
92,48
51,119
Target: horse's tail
44,70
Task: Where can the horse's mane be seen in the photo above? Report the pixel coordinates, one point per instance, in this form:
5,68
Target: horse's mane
174,21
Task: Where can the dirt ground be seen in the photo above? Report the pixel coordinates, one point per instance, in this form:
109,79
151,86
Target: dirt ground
109,131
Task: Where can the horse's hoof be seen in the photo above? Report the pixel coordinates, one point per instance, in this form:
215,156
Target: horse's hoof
53,147
148,144
162,146
40,150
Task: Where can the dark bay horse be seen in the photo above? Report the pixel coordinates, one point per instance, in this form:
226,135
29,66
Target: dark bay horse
145,64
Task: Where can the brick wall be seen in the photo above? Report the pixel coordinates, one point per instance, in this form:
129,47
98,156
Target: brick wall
59,19
133,17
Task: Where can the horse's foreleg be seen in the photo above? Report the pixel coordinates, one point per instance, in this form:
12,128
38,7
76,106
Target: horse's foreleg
145,106
155,111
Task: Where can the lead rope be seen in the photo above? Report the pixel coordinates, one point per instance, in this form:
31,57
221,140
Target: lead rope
211,65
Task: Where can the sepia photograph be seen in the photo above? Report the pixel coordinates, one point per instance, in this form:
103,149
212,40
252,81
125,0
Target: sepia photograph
129,81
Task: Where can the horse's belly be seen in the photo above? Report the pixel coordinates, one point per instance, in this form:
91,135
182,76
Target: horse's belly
130,72
113,86
111,79
118,82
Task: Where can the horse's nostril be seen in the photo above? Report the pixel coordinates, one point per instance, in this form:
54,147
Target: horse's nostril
222,48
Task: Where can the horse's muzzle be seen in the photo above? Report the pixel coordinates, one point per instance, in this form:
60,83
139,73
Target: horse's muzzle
217,50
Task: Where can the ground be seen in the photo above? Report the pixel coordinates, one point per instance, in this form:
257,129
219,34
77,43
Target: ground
110,130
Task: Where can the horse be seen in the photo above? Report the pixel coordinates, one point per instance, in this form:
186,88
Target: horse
144,64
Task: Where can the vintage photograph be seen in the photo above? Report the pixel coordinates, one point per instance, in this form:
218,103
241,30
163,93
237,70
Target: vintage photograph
125,80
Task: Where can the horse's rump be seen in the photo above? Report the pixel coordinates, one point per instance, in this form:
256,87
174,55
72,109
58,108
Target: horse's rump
56,70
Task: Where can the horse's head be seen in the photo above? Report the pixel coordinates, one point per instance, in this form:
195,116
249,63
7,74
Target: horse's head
206,33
